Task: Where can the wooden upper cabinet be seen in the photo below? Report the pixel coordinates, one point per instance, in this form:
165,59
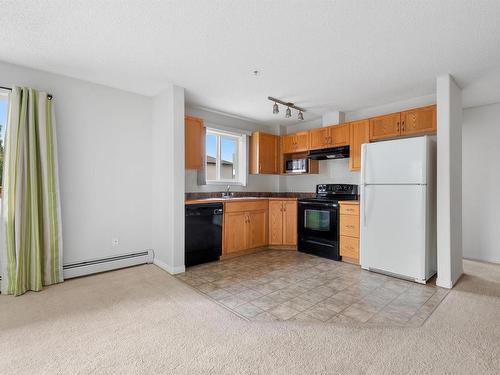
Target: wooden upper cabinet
287,143
385,127
264,153
290,223
419,121
194,142
302,141
359,134
320,138
331,136
296,142
275,222
339,135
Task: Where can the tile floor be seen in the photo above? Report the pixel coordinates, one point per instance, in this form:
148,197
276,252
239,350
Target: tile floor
288,285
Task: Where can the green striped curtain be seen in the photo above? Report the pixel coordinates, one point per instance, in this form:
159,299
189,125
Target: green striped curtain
31,253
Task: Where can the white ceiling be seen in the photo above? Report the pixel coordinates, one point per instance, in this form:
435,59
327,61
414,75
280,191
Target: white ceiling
322,55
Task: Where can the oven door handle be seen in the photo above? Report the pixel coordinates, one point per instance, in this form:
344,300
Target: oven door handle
312,204
319,243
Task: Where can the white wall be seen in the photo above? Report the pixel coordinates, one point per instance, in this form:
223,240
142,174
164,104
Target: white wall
449,181
104,139
255,183
167,178
481,181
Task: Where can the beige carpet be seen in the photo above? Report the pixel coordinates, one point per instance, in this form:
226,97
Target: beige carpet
143,321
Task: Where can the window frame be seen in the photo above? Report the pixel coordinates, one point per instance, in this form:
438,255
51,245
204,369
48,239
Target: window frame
4,95
239,165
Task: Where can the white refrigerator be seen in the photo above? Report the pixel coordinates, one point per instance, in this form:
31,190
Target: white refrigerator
398,208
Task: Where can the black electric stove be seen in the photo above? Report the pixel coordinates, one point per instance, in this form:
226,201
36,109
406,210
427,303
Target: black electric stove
318,220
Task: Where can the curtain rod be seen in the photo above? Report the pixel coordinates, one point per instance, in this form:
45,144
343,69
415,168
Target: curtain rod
49,96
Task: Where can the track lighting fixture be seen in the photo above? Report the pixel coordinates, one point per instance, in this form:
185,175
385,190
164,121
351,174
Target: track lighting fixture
288,112
275,109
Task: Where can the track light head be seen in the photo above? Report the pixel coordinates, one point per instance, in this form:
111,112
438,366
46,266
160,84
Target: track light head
275,109
301,116
288,112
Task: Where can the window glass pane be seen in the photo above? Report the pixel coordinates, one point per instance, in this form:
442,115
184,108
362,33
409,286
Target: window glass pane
228,154
317,220
3,124
211,150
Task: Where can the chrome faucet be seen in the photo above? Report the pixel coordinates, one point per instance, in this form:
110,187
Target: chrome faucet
227,193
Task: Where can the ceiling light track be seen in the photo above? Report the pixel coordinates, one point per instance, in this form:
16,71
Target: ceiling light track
288,105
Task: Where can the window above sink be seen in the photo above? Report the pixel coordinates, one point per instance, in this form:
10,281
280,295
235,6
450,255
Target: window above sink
225,157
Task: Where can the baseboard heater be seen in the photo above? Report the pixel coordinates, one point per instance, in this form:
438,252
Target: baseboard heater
107,264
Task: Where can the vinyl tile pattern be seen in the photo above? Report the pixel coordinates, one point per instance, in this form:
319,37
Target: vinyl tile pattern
274,285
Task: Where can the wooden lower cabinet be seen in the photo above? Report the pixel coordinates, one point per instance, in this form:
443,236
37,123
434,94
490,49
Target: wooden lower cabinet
349,247
349,231
235,232
245,226
290,223
257,227
349,225
283,223
275,222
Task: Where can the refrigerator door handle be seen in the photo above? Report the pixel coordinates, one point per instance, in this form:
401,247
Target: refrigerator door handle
364,204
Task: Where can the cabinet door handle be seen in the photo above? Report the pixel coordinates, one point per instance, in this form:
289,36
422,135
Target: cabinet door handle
402,126
397,126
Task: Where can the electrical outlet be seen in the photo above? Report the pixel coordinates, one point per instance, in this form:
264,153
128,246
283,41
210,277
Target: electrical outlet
115,242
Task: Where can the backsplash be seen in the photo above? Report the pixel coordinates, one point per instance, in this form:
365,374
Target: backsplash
330,172
204,195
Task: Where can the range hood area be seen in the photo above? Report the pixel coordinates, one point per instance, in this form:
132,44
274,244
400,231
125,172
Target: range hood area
330,153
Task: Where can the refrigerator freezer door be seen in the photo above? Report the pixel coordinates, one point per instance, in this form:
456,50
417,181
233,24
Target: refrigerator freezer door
402,161
393,229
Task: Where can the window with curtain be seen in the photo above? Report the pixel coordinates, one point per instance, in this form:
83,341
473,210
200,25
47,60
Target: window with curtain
225,157
3,124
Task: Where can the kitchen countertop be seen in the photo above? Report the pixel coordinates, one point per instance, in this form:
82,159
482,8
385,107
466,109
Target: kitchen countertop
237,199
349,202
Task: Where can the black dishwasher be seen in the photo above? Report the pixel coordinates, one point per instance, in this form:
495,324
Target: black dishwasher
203,236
